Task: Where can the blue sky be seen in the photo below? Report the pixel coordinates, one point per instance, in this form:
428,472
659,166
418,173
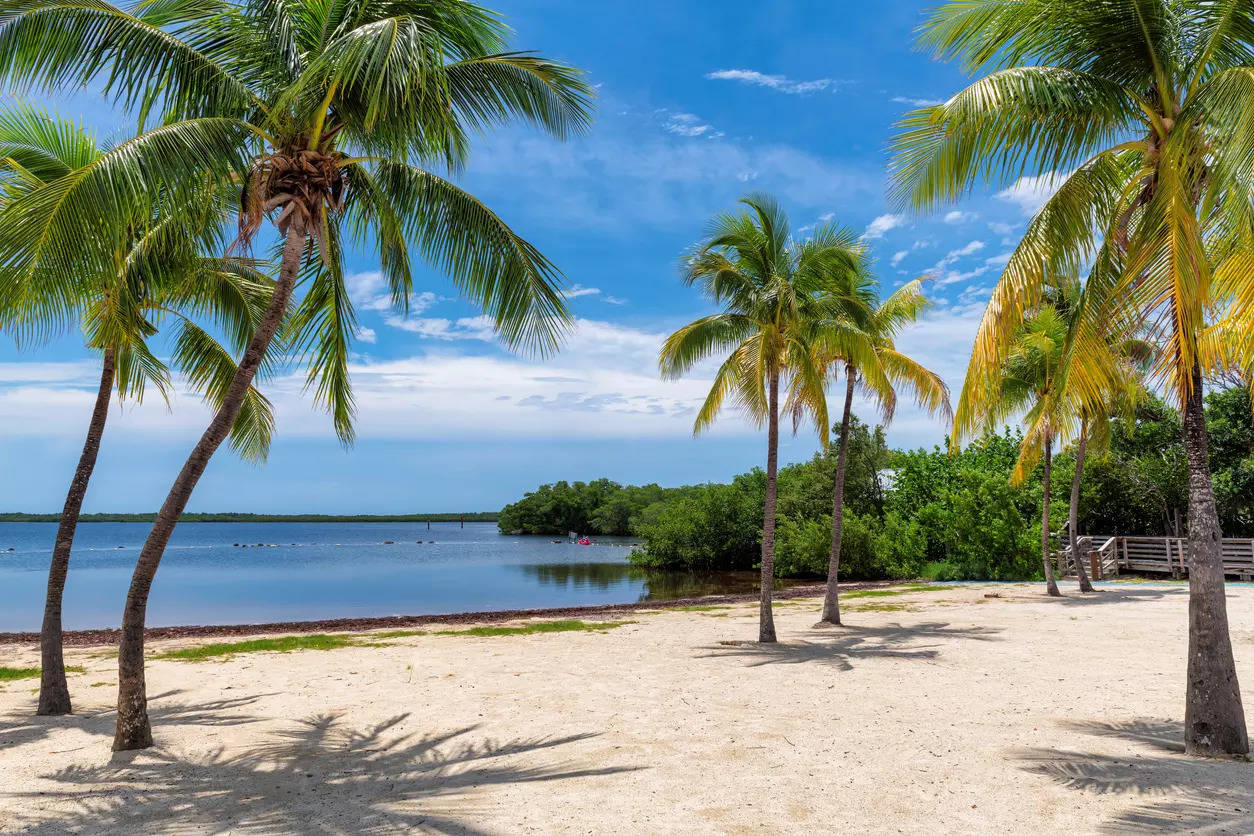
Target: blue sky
699,103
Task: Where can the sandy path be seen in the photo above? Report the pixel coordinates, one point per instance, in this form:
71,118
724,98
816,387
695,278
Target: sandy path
956,714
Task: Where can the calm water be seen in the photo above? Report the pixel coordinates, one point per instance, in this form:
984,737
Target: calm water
326,570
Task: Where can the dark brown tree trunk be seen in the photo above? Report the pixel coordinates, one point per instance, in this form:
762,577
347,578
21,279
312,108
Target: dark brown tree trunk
1214,719
54,692
831,601
1050,585
766,618
133,729
1073,514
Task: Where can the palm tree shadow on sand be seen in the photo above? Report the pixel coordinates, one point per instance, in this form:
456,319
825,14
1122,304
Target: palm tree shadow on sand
315,777
1188,795
27,728
893,641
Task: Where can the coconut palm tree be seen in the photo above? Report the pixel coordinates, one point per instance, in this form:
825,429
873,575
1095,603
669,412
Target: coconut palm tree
328,110
771,290
853,294
1139,115
158,272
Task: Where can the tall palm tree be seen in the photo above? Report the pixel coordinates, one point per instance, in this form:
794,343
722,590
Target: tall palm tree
771,290
853,294
157,272
327,107
1149,104
1123,363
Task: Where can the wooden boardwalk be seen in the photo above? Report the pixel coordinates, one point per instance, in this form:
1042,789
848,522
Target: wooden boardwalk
1158,555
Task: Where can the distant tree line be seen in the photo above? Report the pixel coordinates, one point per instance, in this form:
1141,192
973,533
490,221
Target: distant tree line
475,516
916,513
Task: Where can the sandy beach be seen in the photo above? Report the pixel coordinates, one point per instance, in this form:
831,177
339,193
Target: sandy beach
932,711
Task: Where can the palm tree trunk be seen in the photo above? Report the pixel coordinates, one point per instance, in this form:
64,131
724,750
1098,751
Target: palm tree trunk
133,729
54,692
1073,514
766,619
831,601
1050,585
1214,719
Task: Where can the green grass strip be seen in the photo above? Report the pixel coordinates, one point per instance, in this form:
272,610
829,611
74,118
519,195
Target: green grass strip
283,644
896,590
11,674
563,626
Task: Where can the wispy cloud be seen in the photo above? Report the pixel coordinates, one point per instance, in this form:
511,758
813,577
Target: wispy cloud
688,124
957,217
898,257
1031,193
780,83
883,224
575,291
913,102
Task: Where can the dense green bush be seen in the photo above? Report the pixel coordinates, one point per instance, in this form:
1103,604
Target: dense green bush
939,513
706,527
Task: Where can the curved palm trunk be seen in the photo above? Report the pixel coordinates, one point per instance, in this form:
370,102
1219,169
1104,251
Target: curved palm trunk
1214,719
54,693
133,729
766,618
831,601
1073,514
1050,585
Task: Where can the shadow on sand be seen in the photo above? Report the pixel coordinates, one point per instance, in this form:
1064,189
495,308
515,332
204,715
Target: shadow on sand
849,644
314,777
1193,795
16,730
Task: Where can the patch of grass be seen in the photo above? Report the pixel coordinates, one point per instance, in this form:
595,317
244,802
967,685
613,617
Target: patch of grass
567,625
878,607
11,674
397,634
895,590
700,608
99,684
283,644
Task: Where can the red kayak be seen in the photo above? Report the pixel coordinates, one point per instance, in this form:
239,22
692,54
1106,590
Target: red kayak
584,541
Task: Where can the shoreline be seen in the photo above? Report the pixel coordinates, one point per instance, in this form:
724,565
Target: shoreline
106,636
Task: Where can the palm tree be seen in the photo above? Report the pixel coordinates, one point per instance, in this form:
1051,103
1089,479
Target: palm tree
329,105
1149,104
1123,363
771,289
157,271
853,294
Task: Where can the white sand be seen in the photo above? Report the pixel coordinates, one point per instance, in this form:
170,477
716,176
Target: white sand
957,714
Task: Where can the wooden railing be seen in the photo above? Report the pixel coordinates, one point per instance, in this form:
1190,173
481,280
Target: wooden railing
1165,555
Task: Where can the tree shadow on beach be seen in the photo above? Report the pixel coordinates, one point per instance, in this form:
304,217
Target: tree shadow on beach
19,729
317,777
893,641
1188,794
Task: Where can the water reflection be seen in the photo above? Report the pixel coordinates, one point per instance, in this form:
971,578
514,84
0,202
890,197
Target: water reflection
653,584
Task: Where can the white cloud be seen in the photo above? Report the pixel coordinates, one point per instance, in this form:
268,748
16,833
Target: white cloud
783,84
944,276
614,300
575,291
1001,228
368,292
477,328
998,260
688,124
898,256
883,224
366,335
957,217
1031,193
918,102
